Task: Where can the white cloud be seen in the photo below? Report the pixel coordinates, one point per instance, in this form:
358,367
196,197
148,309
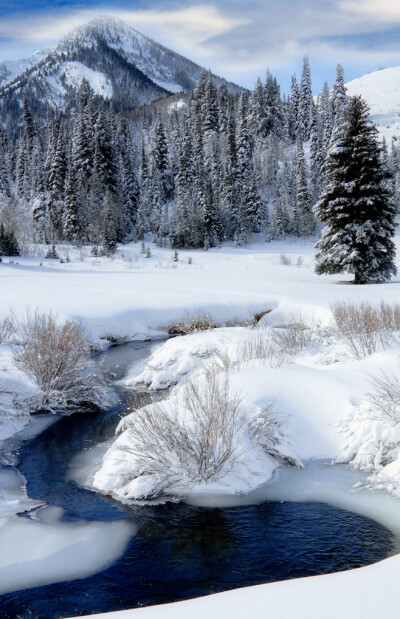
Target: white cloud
382,10
192,25
239,39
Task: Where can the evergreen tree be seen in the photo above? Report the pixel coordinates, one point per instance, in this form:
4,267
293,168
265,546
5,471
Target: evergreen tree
109,244
104,158
254,212
339,97
356,207
293,109
28,126
305,101
303,218
273,116
161,161
317,158
57,177
4,175
8,242
72,228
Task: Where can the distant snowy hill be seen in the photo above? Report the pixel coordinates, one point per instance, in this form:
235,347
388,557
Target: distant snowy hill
118,62
381,90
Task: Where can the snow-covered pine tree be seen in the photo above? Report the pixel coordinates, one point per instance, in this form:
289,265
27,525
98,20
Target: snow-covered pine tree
254,212
339,97
144,207
57,177
303,218
293,109
273,116
355,206
317,159
160,161
229,201
29,127
72,227
256,116
326,113
8,242
4,175
104,157
212,226
181,235
21,171
305,100
109,244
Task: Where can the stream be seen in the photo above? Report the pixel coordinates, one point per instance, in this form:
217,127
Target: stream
175,551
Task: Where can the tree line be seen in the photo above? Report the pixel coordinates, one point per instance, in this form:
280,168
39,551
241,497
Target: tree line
216,167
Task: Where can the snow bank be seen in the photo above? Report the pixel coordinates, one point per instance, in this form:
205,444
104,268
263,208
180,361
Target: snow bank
15,389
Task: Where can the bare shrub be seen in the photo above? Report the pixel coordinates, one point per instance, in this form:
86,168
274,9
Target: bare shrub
285,260
221,361
366,328
255,345
6,329
274,345
54,356
292,338
191,323
299,261
203,446
385,396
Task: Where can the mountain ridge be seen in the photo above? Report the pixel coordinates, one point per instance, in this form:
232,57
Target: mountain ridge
119,62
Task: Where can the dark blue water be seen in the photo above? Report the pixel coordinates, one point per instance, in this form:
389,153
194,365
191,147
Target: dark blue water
181,551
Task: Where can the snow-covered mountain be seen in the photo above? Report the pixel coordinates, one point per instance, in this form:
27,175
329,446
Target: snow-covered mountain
381,90
118,62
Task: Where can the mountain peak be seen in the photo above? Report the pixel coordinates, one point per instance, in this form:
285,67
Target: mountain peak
118,62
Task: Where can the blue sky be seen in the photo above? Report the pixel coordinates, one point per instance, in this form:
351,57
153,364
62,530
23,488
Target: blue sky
235,38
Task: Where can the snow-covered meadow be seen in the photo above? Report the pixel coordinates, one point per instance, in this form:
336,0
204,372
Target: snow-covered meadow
318,390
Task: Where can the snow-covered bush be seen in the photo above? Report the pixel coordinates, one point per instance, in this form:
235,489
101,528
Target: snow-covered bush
55,357
201,445
372,433
365,327
202,434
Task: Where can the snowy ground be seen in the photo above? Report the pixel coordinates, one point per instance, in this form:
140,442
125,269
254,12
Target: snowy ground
381,90
320,391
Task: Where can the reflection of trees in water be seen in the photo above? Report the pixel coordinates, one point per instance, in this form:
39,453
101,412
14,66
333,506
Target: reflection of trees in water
191,535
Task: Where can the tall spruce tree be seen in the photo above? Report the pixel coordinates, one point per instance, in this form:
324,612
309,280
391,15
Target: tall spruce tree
356,206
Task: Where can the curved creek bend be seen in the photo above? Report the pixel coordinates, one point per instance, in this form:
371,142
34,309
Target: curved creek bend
205,545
